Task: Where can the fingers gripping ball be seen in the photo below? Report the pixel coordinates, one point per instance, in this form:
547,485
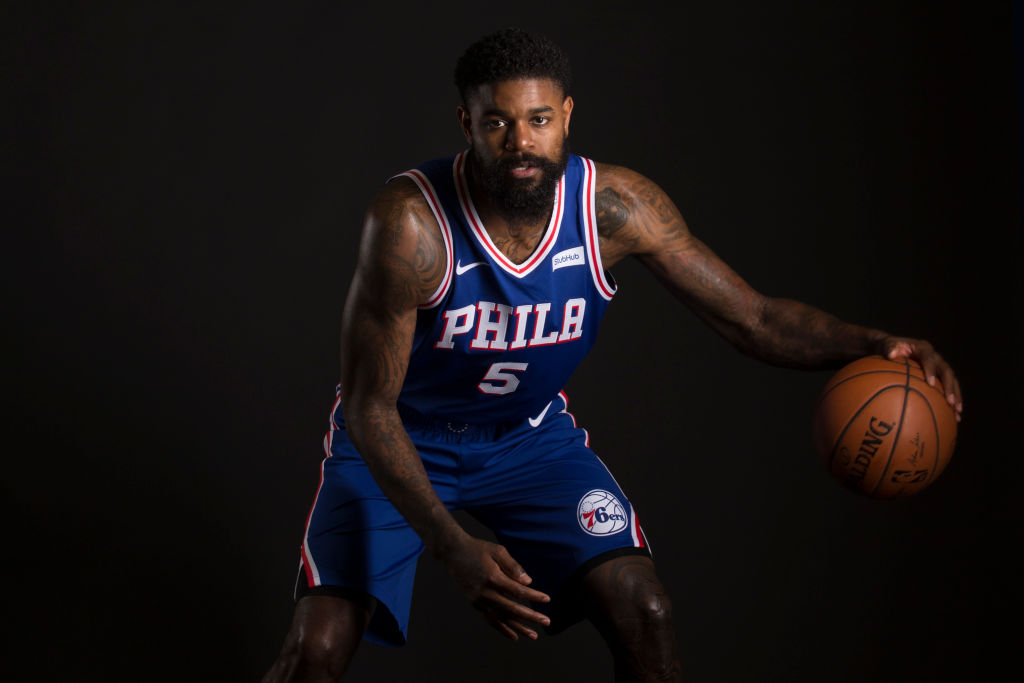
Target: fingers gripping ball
882,430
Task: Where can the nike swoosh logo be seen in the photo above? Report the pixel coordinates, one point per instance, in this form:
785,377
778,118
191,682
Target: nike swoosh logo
460,269
534,421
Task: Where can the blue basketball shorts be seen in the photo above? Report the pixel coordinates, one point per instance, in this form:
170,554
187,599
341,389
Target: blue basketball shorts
535,483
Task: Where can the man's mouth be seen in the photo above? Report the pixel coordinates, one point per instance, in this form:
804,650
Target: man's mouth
524,169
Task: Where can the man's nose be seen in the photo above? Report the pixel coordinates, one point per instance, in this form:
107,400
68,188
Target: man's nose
518,138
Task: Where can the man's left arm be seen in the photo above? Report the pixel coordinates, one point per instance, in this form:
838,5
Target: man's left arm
635,217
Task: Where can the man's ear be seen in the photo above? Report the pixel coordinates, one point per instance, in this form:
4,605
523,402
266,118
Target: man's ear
465,123
567,112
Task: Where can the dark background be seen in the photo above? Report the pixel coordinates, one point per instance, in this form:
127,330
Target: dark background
186,186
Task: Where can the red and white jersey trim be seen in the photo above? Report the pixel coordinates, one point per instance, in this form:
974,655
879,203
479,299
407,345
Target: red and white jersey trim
604,287
312,571
473,218
430,194
308,563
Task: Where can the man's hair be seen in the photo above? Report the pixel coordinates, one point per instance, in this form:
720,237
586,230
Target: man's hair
511,54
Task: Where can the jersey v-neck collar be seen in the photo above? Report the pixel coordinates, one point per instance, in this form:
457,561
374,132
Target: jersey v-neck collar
547,242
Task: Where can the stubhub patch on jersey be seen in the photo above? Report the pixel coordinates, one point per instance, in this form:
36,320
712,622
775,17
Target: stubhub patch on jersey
569,257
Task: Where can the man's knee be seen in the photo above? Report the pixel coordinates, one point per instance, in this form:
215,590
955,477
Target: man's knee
321,651
651,603
627,602
631,609
641,604
324,635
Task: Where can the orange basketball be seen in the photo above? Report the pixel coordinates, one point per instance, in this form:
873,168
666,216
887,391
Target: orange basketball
882,430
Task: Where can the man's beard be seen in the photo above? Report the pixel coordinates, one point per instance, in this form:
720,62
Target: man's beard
523,200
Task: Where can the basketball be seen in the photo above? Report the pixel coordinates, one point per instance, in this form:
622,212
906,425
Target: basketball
882,430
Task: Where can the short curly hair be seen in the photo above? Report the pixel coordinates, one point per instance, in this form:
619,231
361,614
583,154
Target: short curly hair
510,54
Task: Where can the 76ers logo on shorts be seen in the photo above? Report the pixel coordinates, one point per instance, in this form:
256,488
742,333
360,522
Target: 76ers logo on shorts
600,513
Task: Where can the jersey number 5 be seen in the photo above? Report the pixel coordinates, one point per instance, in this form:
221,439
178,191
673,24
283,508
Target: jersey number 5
501,372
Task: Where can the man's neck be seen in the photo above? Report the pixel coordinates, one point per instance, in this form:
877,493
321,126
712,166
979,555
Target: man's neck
516,236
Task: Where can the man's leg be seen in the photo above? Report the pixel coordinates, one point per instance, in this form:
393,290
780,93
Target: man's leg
562,515
627,602
323,638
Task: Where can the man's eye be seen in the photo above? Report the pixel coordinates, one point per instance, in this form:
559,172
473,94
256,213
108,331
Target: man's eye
541,120
495,123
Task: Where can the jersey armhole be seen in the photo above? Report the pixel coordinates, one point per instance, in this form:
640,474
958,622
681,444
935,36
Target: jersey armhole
605,287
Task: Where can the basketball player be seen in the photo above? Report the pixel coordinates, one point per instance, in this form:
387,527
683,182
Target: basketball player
479,288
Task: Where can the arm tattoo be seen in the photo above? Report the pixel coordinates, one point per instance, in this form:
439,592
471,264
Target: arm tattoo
427,264
612,213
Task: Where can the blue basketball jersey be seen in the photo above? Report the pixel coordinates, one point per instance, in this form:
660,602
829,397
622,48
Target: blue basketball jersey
498,340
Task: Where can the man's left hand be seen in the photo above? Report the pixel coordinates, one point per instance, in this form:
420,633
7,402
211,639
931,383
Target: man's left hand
935,367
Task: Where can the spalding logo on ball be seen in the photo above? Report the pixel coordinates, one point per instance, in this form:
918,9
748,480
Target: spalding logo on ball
882,430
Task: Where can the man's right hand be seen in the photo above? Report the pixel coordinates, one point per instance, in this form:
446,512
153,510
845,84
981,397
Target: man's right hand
496,585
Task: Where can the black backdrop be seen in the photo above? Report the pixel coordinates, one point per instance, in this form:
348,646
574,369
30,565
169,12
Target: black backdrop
187,186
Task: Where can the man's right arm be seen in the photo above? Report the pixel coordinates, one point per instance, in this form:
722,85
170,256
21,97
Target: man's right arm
401,263
400,259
